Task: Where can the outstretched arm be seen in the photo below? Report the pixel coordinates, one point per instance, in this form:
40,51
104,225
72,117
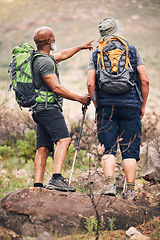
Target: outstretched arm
67,53
144,87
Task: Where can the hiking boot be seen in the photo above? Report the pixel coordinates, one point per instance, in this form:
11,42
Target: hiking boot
60,184
109,190
130,194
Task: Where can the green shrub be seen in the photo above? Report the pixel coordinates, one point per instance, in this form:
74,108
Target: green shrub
69,156
27,147
155,235
13,183
111,223
81,158
6,152
91,225
29,167
49,164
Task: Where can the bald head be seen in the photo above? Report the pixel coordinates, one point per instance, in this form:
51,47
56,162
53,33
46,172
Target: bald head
42,36
42,33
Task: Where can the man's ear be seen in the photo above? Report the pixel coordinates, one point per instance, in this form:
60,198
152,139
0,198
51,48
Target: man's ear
48,40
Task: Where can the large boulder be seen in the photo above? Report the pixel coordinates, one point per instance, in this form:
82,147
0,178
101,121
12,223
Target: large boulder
150,160
36,210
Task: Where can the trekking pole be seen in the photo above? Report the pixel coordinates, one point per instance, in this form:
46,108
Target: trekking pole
124,187
84,108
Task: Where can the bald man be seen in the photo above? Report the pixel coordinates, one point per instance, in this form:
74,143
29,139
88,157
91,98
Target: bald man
51,126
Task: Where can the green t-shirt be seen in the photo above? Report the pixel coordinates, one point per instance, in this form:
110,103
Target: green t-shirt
43,66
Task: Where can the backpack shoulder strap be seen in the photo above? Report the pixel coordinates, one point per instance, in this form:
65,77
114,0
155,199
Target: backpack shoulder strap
55,63
39,54
104,41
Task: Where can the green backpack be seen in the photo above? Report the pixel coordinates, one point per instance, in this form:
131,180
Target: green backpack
22,77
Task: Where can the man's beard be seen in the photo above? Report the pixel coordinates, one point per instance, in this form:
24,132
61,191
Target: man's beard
53,47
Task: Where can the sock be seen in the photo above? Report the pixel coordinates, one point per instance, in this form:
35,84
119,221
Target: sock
130,186
38,184
109,180
56,175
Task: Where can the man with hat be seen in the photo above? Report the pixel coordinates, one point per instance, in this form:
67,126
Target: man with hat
118,116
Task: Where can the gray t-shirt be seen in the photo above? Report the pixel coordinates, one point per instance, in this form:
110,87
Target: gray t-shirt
43,66
139,60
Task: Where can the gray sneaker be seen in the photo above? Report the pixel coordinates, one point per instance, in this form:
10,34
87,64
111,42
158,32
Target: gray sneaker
109,190
60,184
130,194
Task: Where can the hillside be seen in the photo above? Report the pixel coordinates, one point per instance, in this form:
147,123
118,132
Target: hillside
75,22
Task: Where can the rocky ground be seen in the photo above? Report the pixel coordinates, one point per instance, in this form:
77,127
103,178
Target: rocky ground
28,212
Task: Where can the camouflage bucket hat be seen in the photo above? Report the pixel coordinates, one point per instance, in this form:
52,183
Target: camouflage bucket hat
109,26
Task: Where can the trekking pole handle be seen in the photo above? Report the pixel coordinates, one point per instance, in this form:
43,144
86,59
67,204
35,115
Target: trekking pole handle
84,108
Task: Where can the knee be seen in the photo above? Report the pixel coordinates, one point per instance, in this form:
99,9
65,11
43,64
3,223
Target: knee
43,150
68,142
65,142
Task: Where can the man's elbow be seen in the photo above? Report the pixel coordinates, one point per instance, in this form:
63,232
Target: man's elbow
143,75
145,81
56,88
90,83
90,87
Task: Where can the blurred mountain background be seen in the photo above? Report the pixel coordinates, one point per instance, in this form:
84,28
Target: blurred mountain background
75,22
